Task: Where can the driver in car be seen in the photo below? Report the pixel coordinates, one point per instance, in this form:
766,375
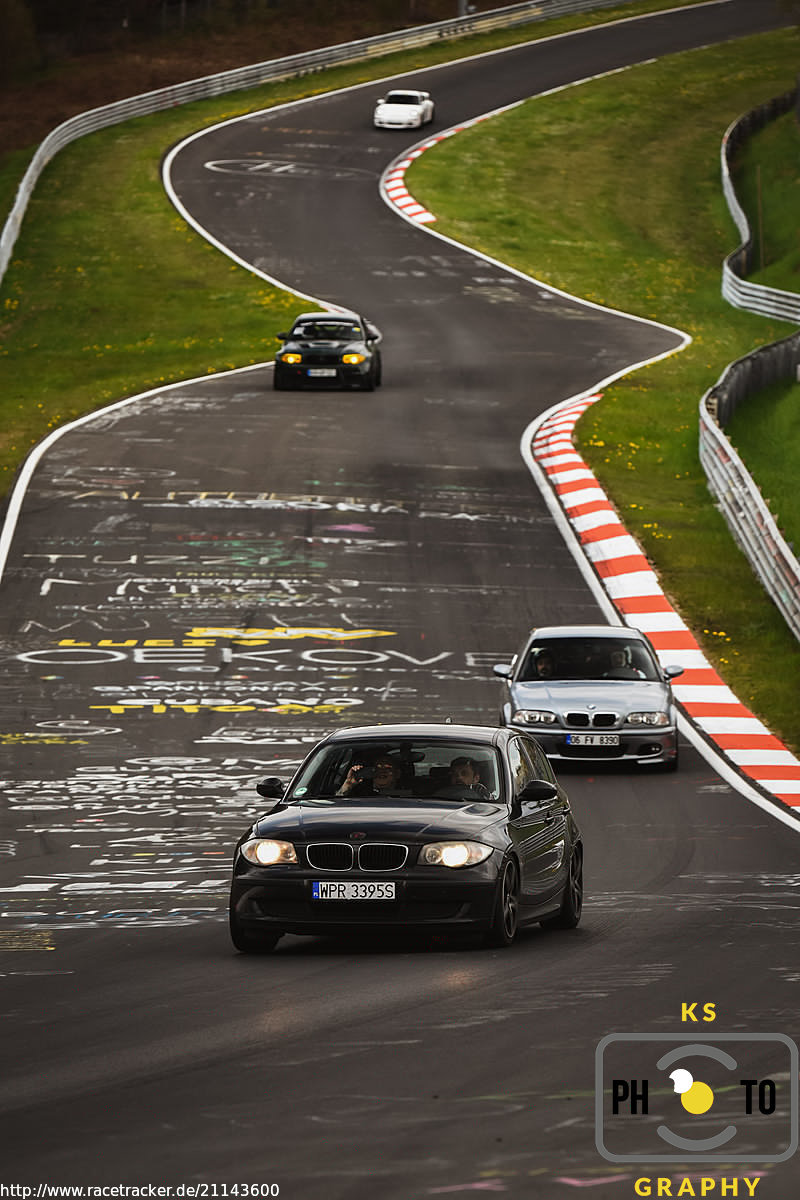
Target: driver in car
464,781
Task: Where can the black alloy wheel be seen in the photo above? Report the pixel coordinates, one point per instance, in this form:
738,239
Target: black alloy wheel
572,902
503,928
247,942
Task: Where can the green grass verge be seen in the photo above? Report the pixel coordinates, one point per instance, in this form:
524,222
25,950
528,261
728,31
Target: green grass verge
766,176
612,192
766,433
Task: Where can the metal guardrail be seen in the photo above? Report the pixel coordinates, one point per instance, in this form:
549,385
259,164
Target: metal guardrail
752,525
749,519
753,297
242,78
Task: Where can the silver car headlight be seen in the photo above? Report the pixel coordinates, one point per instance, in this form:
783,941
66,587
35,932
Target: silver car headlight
266,852
534,716
454,854
648,718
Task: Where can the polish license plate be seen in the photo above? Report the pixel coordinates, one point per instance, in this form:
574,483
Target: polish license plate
592,739
322,372
338,889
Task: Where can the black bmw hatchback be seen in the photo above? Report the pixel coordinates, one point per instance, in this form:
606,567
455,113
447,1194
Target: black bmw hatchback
329,350
410,827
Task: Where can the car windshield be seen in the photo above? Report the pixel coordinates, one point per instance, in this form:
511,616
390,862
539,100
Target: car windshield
589,658
335,331
410,768
402,98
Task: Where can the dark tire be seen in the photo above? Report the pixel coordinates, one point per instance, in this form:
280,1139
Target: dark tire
572,902
277,383
503,928
247,942
368,382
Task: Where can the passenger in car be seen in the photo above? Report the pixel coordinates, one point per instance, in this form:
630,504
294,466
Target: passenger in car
380,778
621,667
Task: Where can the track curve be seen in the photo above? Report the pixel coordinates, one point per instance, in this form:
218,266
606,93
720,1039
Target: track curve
203,580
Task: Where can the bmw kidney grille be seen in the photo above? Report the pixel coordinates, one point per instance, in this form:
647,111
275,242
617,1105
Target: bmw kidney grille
371,856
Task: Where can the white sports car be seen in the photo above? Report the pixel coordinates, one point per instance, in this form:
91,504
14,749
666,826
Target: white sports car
403,110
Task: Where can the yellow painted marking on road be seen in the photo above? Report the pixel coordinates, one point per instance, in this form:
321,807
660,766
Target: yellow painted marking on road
26,940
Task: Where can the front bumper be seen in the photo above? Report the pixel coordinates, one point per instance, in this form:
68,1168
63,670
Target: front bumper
388,123
280,901
657,746
343,375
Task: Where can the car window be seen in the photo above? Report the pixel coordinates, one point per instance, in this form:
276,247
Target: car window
402,98
568,658
447,770
338,331
522,770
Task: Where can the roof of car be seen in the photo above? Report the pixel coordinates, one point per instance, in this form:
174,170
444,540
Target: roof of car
476,733
326,316
595,631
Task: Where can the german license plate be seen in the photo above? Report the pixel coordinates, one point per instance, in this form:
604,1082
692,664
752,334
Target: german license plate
592,739
322,372
338,889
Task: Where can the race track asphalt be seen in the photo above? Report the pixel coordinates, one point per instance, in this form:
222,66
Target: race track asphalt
202,581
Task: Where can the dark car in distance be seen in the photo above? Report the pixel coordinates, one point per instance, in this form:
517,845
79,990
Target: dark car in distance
414,828
593,693
329,350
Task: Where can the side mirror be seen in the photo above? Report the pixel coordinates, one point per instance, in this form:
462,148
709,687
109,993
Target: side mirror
673,672
503,670
282,337
271,788
538,791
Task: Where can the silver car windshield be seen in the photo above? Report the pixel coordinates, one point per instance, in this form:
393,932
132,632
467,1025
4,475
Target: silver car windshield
411,768
584,658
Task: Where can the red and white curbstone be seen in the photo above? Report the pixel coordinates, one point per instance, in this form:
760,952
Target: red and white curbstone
634,590
395,191
393,187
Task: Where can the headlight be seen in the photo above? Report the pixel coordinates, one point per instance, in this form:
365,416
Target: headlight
534,716
454,854
353,360
266,853
291,358
648,718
